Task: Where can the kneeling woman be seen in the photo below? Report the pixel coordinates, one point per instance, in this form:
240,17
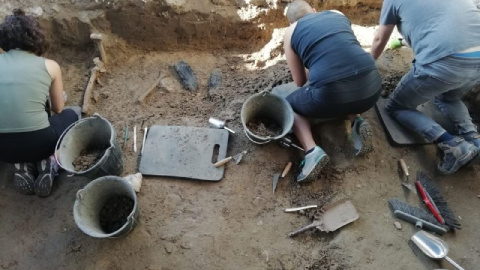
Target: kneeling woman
27,81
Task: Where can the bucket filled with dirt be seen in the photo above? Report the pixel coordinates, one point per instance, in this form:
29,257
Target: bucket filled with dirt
89,148
266,117
106,208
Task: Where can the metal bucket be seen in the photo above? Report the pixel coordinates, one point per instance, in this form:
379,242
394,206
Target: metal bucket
88,133
91,199
268,106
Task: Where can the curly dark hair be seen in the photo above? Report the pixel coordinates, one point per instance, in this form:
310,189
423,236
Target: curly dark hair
23,32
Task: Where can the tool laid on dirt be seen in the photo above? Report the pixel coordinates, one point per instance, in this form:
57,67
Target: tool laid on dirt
125,138
419,217
144,137
89,89
334,216
135,139
217,123
275,181
288,210
404,175
286,142
287,169
236,158
430,195
433,247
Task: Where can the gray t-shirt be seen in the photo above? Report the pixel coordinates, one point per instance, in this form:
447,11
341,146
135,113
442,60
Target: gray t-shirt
24,90
434,28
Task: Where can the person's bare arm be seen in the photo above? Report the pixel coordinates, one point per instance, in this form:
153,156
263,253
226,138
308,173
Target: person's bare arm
56,88
294,63
380,40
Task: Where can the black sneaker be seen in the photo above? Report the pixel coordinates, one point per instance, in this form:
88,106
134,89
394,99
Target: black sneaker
47,169
24,177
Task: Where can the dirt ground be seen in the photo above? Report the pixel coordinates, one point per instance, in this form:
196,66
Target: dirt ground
236,223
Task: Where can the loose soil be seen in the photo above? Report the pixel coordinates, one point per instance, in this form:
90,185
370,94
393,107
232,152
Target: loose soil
87,159
389,83
264,127
114,213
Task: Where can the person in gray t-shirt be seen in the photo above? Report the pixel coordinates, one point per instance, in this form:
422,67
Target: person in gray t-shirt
445,38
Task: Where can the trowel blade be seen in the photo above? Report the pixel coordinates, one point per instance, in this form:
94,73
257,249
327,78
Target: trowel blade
275,181
337,215
238,157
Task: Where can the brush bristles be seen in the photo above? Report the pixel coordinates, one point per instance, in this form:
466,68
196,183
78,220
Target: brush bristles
396,204
440,201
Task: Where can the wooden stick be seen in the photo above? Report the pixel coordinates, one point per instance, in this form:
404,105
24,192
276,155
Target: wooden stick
222,162
404,167
154,85
88,90
287,169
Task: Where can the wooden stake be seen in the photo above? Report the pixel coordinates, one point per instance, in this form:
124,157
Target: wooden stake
287,169
88,90
154,85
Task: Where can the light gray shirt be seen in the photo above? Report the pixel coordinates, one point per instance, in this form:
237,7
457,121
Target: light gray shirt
434,28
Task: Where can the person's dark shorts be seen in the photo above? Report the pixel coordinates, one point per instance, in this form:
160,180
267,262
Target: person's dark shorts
35,145
352,95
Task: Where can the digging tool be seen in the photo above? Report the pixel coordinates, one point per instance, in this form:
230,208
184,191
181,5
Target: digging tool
89,89
286,142
433,247
217,123
334,217
236,158
275,181
405,182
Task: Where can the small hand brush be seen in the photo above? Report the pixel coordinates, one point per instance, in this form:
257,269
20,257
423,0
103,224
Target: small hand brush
439,200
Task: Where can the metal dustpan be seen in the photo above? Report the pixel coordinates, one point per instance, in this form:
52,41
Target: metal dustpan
335,216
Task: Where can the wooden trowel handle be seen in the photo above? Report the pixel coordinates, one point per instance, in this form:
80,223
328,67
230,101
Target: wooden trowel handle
222,162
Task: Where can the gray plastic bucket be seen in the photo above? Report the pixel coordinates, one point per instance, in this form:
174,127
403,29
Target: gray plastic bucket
91,199
87,133
269,106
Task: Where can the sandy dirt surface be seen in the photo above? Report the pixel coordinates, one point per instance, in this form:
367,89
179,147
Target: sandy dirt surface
238,222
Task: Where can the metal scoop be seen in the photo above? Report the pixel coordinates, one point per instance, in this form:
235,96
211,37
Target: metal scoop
433,247
217,123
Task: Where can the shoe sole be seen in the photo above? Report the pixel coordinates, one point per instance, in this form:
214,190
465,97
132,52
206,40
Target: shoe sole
43,185
316,170
366,139
470,156
22,185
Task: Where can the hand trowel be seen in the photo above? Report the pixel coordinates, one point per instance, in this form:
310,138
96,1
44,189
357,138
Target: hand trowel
335,216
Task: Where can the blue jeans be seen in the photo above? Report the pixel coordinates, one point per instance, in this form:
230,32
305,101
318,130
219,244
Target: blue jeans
445,81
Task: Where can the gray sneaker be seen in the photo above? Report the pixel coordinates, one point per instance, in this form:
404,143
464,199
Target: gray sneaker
312,164
361,137
456,153
24,177
47,169
474,138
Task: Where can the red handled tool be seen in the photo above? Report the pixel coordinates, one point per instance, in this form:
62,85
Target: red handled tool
429,203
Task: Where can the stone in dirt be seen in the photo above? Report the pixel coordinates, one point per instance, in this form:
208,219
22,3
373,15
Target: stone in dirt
264,127
389,83
187,76
114,213
87,159
214,81
397,225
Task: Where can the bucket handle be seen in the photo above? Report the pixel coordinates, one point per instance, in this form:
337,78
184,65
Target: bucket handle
80,194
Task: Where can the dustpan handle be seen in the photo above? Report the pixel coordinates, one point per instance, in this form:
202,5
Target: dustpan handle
453,263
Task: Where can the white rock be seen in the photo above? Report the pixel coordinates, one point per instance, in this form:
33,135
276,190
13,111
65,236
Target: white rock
397,225
135,180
